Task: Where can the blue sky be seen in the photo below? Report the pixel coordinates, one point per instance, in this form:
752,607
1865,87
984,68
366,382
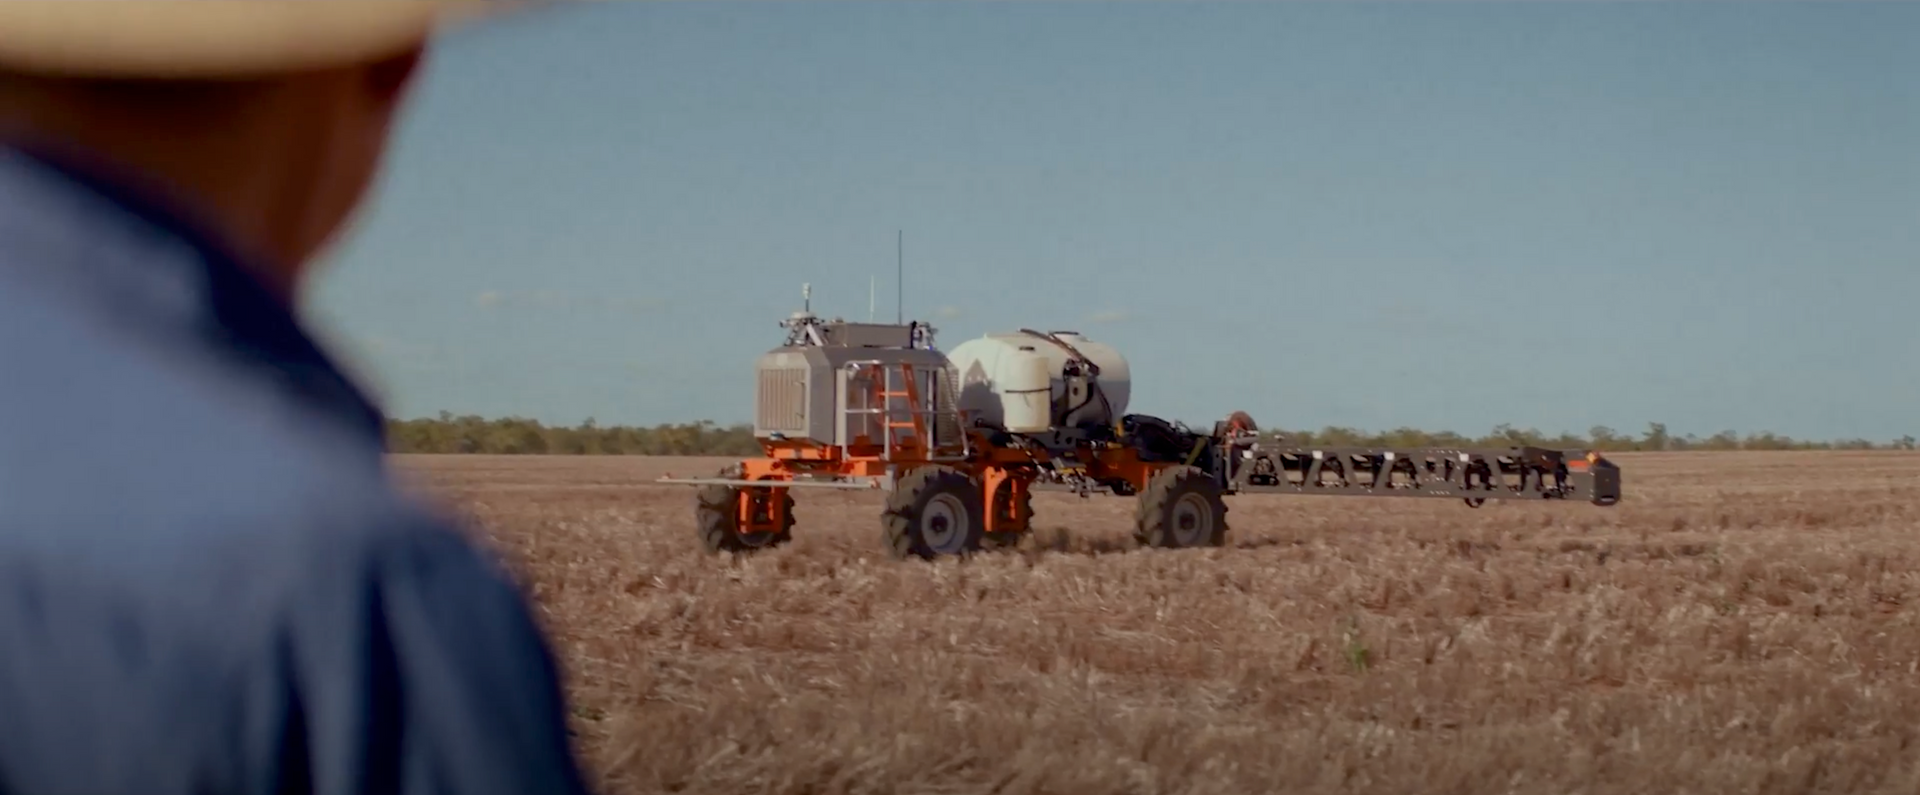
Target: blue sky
1425,214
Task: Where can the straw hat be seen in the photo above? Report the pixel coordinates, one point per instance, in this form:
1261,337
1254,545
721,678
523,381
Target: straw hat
217,38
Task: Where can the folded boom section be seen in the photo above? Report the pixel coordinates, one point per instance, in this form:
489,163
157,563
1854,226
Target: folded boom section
1474,475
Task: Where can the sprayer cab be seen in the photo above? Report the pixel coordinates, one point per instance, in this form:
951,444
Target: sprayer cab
819,387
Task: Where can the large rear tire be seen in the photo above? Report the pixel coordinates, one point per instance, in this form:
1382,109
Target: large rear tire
1181,507
934,511
717,516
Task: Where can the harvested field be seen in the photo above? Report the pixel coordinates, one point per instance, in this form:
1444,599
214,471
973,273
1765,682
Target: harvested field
1742,622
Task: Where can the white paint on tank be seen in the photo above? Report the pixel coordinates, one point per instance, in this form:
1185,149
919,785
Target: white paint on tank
984,364
1026,394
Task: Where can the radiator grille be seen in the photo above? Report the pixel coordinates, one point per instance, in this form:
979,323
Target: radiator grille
783,400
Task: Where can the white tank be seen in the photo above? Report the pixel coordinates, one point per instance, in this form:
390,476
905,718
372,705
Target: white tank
1026,391
986,364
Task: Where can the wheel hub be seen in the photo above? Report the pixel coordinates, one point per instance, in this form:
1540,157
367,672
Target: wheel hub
943,523
1192,520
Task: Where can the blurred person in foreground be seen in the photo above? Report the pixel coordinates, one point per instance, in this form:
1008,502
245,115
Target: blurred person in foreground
207,583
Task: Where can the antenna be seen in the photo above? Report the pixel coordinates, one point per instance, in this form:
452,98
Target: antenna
870,284
806,296
900,278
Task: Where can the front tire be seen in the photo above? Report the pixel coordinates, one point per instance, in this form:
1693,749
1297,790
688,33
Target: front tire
717,516
934,511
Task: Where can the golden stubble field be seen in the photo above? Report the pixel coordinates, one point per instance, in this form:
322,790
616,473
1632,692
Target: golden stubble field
1740,623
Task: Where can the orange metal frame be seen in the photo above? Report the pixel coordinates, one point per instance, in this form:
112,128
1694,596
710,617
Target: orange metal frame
761,510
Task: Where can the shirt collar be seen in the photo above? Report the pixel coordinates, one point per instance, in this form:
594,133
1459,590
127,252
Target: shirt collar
253,321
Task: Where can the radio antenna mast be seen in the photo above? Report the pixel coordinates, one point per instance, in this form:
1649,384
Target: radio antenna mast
870,285
900,278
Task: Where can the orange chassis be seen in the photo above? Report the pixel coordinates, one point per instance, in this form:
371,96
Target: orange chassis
943,502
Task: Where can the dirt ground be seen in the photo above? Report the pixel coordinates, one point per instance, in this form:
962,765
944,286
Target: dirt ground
1740,623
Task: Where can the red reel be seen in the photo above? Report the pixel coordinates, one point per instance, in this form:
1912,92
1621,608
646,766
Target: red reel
1241,423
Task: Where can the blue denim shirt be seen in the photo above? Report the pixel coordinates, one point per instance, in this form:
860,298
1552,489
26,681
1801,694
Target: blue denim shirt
207,582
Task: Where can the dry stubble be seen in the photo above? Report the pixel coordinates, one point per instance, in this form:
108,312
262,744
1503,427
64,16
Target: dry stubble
1739,624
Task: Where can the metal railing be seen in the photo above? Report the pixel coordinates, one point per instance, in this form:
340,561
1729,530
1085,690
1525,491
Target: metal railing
888,387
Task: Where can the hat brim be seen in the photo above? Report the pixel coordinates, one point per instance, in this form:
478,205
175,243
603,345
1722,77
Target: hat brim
218,38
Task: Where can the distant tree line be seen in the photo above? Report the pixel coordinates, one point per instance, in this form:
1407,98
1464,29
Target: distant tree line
519,436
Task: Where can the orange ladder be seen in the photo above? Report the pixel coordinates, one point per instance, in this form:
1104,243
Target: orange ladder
885,393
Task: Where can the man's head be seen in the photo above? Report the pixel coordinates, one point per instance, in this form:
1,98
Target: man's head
267,118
